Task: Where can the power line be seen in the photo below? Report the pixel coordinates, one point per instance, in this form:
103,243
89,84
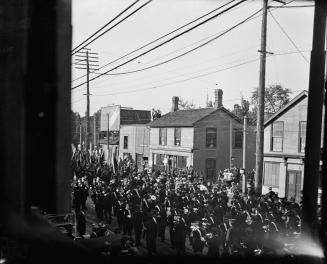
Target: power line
136,10
163,36
189,51
106,25
289,38
193,77
161,44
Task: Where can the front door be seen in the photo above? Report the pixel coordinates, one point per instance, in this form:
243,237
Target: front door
294,179
210,168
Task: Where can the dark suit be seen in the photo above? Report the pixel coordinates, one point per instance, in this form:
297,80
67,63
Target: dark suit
180,237
137,224
151,235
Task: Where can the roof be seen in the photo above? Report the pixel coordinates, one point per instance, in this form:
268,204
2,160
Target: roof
288,106
187,118
131,116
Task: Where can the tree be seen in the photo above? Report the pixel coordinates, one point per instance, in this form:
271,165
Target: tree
275,98
156,114
185,105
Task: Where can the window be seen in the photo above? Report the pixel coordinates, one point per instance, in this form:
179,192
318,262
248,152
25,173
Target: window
271,174
211,137
277,136
238,138
177,133
163,136
125,142
302,136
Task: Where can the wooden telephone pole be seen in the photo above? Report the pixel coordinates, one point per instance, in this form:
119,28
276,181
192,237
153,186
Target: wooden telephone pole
261,103
89,61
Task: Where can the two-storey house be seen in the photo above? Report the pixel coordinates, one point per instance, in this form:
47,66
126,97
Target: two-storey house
208,139
284,146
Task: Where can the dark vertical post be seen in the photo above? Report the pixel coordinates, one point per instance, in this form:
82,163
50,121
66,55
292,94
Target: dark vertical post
261,103
87,101
314,118
108,137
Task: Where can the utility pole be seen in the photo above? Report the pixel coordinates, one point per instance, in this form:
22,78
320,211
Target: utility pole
80,133
108,136
87,60
94,131
314,123
230,143
261,103
244,141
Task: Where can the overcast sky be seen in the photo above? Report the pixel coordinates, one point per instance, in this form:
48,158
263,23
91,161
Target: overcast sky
224,63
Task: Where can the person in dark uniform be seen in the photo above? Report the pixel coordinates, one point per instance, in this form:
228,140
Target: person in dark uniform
214,243
223,232
108,203
80,223
127,221
180,236
137,217
162,223
151,228
84,193
171,225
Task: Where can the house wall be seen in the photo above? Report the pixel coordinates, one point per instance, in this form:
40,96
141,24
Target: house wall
221,153
185,149
290,158
138,135
291,119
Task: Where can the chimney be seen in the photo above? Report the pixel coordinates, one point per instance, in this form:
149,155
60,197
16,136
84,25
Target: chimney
174,106
218,98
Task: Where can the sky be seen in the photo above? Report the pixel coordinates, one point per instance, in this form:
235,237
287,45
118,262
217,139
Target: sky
230,62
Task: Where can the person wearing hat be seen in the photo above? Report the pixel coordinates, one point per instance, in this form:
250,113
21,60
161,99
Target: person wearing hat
151,232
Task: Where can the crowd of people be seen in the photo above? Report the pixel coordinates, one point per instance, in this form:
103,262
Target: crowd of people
212,215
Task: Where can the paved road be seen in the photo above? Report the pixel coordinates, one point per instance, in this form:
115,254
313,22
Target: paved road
162,248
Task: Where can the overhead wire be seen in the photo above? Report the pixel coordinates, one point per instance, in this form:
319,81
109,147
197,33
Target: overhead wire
130,6
189,51
163,43
163,36
193,77
289,38
136,10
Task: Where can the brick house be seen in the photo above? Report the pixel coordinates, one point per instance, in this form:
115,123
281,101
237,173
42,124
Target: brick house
209,139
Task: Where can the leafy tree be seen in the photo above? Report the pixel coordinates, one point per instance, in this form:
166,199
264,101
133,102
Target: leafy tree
185,105
275,98
156,114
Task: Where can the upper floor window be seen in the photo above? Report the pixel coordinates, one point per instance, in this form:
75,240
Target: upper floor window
163,136
277,136
302,135
125,142
238,138
211,137
177,135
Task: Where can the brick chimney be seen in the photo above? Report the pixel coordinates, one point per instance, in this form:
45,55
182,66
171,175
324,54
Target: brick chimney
174,106
218,98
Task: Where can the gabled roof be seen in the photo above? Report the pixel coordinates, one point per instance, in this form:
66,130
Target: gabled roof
288,106
187,118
